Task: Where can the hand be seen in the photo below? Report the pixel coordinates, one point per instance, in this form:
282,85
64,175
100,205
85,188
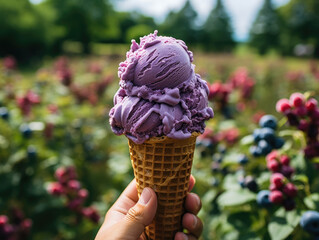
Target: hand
129,215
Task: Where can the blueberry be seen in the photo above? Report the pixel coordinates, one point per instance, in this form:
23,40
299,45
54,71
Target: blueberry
241,182
217,158
4,113
206,143
310,222
256,135
25,130
279,142
242,159
221,148
268,121
255,151
263,198
214,182
267,134
198,142
251,184
265,147
32,152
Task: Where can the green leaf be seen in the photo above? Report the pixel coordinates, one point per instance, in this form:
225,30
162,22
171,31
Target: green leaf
283,223
312,201
235,198
247,140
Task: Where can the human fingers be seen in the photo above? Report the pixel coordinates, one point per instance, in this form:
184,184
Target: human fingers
193,203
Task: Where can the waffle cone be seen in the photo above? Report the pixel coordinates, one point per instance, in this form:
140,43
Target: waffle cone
164,164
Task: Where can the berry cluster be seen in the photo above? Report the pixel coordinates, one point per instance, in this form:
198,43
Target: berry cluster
18,227
304,115
220,92
26,102
63,71
265,137
241,81
209,140
282,189
69,187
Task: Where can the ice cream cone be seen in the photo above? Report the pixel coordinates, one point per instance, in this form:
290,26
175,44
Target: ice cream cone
164,164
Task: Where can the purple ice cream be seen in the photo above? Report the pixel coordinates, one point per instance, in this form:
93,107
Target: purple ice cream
159,94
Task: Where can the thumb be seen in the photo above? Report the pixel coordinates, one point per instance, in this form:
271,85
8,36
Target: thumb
138,217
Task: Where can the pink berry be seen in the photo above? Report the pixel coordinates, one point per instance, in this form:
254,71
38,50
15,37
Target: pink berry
55,189
311,104
74,185
285,160
83,193
276,197
297,99
272,156
26,225
272,187
290,190
283,105
91,213
277,179
273,165
3,220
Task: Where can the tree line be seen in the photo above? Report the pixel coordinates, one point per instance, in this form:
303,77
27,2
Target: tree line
40,29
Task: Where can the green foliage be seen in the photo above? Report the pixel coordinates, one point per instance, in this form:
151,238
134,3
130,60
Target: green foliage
264,33
300,25
217,30
25,30
181,25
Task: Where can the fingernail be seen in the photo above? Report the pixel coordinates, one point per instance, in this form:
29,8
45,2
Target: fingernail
194,221
145,196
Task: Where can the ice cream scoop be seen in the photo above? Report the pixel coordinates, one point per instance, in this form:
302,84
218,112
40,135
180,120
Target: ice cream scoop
159,94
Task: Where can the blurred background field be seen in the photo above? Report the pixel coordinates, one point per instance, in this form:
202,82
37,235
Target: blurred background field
61,166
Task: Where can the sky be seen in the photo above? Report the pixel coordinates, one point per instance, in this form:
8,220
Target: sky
242,12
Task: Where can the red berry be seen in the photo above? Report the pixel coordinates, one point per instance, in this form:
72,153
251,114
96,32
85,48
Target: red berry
276,197
303,125
311,104
3,220
277,179
297,99
290,190
273,165
91,213
272,187
74,185
285,160
273,155
83,193
283,105
301,111
55,188
26,225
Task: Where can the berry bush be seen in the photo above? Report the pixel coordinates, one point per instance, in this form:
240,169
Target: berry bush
256,165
